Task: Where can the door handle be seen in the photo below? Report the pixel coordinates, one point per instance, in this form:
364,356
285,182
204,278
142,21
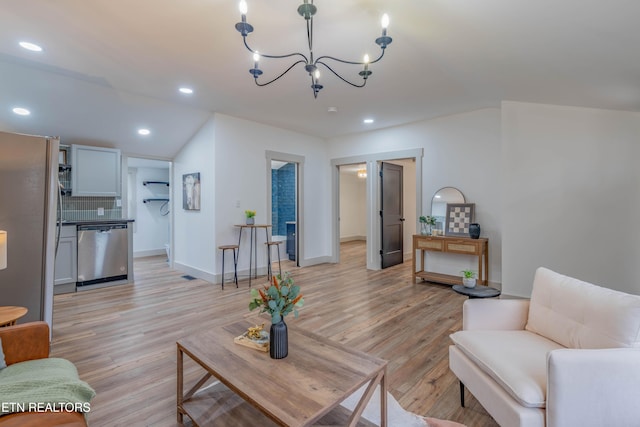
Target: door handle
401,219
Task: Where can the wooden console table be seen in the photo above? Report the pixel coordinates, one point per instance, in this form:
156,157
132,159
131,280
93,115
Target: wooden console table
450,245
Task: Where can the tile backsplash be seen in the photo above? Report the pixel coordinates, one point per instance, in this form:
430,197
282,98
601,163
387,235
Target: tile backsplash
90,208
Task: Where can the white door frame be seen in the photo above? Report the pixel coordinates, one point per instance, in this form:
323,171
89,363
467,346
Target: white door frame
372,198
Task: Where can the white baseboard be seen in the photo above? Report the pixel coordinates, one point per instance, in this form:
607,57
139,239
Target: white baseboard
152,252
352,238
196,272
315,261
216,278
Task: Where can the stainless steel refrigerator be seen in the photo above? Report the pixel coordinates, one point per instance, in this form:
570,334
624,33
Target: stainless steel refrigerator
28,200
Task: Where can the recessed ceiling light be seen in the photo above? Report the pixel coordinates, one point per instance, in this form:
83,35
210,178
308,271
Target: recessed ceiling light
31,46
21,111
186,90
368,121
144,132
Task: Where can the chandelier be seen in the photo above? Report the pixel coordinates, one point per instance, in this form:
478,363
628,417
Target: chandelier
307,10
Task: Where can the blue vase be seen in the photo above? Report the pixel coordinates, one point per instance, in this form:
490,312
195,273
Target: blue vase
278,340
474,230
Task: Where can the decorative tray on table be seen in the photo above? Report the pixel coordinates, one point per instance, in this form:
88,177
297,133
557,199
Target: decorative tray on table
254,338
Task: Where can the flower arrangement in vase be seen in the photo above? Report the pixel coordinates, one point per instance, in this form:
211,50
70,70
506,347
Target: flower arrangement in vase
426,224
250,215
278,299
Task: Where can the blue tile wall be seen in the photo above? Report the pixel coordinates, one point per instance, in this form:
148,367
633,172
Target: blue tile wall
283,198
274,201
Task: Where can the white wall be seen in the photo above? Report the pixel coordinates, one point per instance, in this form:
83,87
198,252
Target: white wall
571,200
462,151
353,206
194,242
230,154
242,169
151,228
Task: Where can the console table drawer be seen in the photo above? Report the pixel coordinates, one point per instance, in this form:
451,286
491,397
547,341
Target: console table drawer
462,248
430,245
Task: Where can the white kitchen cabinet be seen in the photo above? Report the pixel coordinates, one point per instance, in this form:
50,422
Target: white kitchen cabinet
95,171
66,267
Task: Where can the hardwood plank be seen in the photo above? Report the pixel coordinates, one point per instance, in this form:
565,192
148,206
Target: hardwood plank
123,338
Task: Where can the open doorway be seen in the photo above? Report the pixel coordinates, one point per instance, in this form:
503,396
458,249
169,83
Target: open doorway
353,203
284,207
285,176
148,203
411,162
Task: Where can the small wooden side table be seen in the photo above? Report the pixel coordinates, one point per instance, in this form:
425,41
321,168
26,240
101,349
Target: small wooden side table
9,315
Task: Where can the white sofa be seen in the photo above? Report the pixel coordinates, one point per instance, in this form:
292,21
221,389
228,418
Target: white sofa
568,357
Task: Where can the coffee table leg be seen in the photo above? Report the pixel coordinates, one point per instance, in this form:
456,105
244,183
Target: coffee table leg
383,399
366,396
180,386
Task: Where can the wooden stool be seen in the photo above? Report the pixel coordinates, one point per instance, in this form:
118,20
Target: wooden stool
269,246
234,248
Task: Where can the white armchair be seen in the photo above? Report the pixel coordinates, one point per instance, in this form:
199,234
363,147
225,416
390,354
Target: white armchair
569,357
593,387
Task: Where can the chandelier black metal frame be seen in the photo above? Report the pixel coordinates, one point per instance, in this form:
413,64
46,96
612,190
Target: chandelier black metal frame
307,10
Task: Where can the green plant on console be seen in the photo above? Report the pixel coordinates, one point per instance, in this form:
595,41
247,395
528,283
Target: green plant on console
431,220
249,213
279,299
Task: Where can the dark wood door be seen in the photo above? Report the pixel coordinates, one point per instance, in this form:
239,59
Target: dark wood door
391,214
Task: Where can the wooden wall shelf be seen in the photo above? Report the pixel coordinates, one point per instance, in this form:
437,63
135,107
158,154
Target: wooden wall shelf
450,245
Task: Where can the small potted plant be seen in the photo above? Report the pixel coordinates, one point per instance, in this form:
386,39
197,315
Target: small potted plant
468,278
426,224
279,299
250,216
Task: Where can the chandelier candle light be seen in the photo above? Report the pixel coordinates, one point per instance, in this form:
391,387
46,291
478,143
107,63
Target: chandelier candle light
307,10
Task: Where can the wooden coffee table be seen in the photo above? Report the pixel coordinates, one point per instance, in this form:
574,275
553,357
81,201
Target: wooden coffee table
316,376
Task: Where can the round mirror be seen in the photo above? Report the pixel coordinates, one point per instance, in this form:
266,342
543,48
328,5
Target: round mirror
439,204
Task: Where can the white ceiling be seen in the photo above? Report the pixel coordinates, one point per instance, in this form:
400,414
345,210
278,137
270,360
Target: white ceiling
112,66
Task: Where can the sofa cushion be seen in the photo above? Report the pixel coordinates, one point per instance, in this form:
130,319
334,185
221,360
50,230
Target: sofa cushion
578,314
517,360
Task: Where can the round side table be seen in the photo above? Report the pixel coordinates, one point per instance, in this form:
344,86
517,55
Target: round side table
9,315
478,291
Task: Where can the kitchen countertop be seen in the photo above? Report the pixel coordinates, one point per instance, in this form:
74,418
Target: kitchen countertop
96,221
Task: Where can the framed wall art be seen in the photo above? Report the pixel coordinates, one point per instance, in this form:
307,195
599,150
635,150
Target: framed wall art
191,191
459,216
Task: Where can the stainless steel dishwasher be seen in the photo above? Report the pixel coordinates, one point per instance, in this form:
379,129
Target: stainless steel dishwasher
102,253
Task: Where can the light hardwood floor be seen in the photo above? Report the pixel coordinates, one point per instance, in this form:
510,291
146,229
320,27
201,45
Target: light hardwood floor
122,338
